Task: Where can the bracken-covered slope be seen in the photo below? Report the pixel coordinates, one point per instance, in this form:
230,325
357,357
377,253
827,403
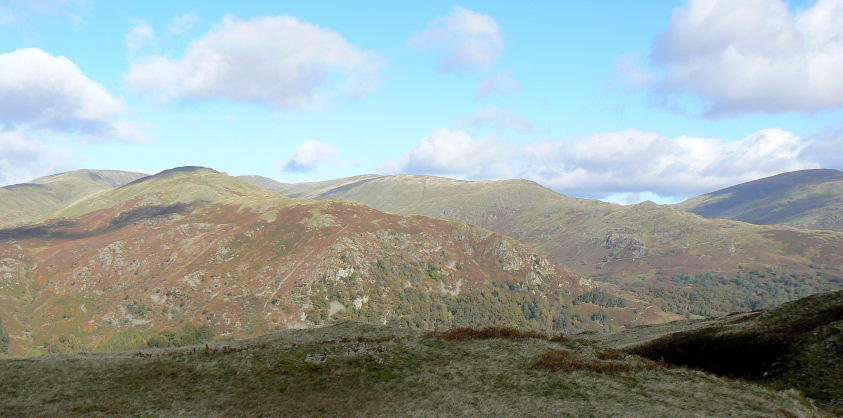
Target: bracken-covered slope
193,246
808,199
39,199
677,260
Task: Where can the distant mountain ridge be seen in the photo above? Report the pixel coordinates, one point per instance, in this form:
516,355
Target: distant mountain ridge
41,198
678,259
195,246
806,199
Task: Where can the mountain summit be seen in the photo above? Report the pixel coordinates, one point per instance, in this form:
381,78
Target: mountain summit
806,199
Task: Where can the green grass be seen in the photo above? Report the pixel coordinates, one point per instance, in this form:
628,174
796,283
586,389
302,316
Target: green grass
362,370
797,345
802,199
184,185
39,199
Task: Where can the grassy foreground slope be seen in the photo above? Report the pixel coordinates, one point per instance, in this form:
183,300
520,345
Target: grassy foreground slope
39,199
678,261
808,199
353,369
796,345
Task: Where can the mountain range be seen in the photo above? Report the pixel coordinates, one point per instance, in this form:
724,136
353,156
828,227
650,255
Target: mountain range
677,260
106,260
191,246
41,198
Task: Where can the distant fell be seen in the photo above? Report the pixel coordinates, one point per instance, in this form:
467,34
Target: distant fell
420,194
193,246
309,190
43,197
680,261
807,199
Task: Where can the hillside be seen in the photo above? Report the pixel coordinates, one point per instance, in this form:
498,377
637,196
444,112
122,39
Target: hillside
807,199
194,247
41,198
796,345
353,369
679,261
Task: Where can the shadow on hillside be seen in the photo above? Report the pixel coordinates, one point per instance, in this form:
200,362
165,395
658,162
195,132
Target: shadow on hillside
67,229
795,345
145,213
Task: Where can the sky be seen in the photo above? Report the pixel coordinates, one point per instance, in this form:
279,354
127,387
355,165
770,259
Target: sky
623,101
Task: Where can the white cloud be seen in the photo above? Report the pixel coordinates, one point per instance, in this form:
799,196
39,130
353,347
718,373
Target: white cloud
23,159
502,118
276,61
753,56
138,37
184,23
454,152
498,83
22,12
623,166
628,69
309,155
633,161
41,91
466,40
825,147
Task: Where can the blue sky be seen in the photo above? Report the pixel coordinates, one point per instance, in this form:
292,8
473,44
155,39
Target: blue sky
621,101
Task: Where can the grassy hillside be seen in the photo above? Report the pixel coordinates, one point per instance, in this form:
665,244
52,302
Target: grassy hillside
40,199
363,370
193,247
183,185
676,260
809,199
796,345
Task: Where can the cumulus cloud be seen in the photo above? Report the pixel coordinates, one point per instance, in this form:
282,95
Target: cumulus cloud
624,166
275,61
454,152
23,159
465,40
498,83
824,148
41,91
309,155
140,34
752,56
633,161
502,118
